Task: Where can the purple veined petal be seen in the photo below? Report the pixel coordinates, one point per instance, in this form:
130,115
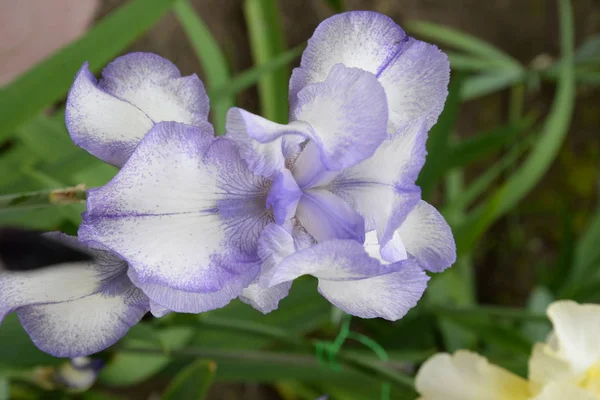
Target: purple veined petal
155,85
74,309
414,74
86,325
348,115
357,39
382,188
326,216
355,282
63,282
428,237
284,196
166,298
265,145
185,212
276,242
108,118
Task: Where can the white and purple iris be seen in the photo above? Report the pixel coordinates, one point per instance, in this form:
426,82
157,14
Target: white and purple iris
201,220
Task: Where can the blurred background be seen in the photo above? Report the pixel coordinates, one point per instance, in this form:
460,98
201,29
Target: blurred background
513,165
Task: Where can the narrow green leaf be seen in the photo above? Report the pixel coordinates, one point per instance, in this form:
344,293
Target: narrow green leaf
492,332
193,382
462,62
49,80
485,180
16,348
491,82
211,58
267,41
46,138
127,369
586,260
544,152
438,143
462,41
484,143
539,300
249,78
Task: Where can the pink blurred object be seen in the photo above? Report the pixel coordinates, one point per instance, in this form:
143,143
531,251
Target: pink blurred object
30,30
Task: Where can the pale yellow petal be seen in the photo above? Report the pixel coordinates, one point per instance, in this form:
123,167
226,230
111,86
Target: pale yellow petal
467,376
565,391
576,327
546,366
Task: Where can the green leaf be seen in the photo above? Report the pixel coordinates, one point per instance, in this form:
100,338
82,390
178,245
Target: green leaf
46,138
462,41
267,41
462,62
586,260
543,154
4,388
248,78
193,382
539,300
49,80
127,368
17,351
438,143
490,82
211,58
492,332
484,143
484,181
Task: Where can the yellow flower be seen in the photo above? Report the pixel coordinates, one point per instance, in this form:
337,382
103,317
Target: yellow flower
566,366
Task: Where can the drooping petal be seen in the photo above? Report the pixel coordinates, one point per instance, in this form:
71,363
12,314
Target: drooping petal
414,74
184,211
347,113
427,236
166,298
576,328
388,296
265,145
326,216
382,188
355,282
276,243
74,309
467,376
86,325
108,118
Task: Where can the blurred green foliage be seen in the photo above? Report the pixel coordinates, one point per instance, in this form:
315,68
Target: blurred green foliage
180,355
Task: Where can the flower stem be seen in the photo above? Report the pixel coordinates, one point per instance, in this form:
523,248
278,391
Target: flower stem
44,198
388,371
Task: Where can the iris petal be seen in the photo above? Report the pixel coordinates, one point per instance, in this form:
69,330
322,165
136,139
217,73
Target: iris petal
108,118
185,212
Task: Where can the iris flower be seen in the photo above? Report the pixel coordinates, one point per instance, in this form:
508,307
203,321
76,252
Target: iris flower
344,169
203,220
77,308
566,366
